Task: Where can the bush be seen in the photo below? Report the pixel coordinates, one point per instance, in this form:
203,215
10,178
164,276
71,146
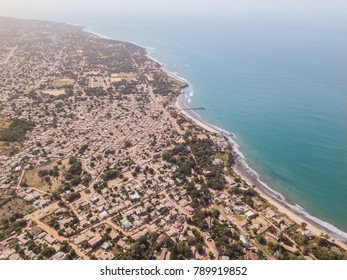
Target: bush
16,131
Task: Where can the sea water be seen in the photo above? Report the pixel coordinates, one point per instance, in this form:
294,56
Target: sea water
280,87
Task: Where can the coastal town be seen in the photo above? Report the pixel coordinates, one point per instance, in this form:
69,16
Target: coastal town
99,161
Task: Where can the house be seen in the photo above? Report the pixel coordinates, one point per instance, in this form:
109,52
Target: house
60,211
103,215
122,244
250,215
163,254
251,256
95,241
290,248
127,203
84,205
244,241
79,239
209,221
272,236
189,209
113,234
106,246
22,239
288,222
239,209
270,214
29,198
243,223
256,202
126,224
308,234
100,208
183,202
50,240
149,192
177,225
59,256
6,253
35,231
134,197
171,232
103,256
14,257
94,199
161,238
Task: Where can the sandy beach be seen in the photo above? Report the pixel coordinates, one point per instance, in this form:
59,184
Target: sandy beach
189,115
313,227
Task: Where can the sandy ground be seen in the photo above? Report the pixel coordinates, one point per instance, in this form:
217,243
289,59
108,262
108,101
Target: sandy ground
54,92
316,230
195,120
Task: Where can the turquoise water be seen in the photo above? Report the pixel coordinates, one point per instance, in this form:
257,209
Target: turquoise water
280,87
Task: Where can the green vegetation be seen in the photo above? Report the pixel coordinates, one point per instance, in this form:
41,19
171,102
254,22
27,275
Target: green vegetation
12,205
197,241
226,240
75,174
181,156
111,174
245,194
54,172
326,254
43,251
67,249
142,249
180,251
16,131
199,219
261,239
226,157
73,196
281,253
196,154
323,250
55,222
202,151
200,197
14,224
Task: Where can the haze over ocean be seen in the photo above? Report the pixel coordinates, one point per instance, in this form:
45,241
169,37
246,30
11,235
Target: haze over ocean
278,82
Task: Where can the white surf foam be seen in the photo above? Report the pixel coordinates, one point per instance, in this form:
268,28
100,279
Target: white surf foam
329,228
242,161
88,30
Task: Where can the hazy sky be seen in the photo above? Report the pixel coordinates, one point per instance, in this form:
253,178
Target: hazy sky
336,10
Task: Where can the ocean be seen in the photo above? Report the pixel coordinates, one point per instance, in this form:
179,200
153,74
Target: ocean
279,86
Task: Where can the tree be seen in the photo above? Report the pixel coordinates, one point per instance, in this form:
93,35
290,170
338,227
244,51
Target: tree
261,239
127,144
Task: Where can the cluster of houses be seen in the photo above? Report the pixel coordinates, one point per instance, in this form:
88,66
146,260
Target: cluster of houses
34,197
34,236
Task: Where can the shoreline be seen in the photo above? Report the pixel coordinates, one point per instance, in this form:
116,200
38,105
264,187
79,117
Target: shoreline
241,168
267,193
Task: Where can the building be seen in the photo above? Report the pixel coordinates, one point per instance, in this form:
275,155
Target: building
95,241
